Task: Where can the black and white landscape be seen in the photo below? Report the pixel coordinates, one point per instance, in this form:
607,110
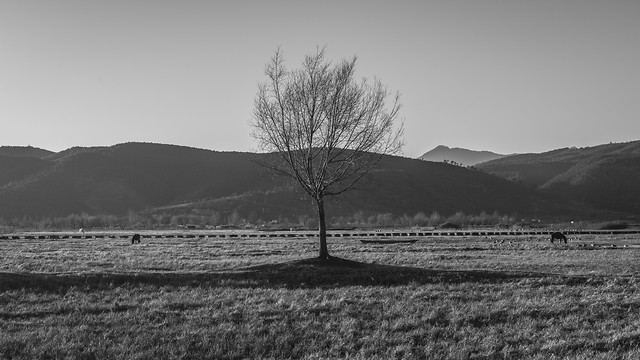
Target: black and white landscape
286,179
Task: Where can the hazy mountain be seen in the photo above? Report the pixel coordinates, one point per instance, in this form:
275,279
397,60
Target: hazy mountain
604,176
464,157
167,179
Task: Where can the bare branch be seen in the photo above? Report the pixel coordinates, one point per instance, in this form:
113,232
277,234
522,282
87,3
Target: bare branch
327,129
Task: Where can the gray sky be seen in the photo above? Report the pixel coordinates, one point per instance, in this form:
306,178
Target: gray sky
505,76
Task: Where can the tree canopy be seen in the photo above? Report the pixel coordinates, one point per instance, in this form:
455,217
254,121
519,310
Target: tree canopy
327,129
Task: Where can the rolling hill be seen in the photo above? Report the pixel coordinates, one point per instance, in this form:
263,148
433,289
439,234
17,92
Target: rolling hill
166,179
24,151
114,180
605,176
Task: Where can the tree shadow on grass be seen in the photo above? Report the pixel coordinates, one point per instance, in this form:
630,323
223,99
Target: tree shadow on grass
307,273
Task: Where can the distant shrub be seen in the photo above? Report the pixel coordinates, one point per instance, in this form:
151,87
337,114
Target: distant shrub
434,219
385,219
449,225
203,219
459,219
420,219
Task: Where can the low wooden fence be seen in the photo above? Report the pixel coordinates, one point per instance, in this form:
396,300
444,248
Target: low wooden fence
332,234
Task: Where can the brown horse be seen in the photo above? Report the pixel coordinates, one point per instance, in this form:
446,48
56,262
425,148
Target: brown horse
559,236
135,239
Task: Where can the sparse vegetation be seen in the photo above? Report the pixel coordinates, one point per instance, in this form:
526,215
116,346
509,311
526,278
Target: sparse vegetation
439,298
449,225
217,219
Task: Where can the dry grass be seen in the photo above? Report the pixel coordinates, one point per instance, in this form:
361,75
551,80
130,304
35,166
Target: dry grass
262,298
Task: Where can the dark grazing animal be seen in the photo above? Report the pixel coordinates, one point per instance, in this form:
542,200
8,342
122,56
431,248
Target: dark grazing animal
559,236
135,239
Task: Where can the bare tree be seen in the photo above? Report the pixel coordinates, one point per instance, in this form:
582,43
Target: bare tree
327,130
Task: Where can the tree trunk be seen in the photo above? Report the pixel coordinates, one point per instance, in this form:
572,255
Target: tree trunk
324,252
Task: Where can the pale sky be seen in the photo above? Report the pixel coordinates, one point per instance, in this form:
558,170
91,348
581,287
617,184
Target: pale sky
505,76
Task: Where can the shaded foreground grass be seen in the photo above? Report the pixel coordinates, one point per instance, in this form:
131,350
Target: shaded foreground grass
462,298
302,274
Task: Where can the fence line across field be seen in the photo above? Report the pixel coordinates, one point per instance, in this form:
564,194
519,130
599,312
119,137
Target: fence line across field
306,234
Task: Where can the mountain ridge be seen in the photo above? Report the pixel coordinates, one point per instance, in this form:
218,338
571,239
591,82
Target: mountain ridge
24,151
461,156
144,176
164,179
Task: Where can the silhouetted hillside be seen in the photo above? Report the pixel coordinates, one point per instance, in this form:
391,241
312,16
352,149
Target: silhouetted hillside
604,176
24,151
460,156
133,176
165,179
413,186
609,183
17,168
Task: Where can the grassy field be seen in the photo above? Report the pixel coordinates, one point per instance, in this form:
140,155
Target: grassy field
440,298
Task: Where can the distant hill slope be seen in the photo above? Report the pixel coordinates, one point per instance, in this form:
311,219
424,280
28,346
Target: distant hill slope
604,176
14,168
133,176
24,151
460,156
166,179
400,186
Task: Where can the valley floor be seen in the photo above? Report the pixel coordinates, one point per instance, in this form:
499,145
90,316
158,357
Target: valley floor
457,297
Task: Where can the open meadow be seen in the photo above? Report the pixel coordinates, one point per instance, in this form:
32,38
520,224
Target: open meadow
470,297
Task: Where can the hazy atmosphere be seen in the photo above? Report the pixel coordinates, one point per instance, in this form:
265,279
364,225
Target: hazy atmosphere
486,75
509,227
